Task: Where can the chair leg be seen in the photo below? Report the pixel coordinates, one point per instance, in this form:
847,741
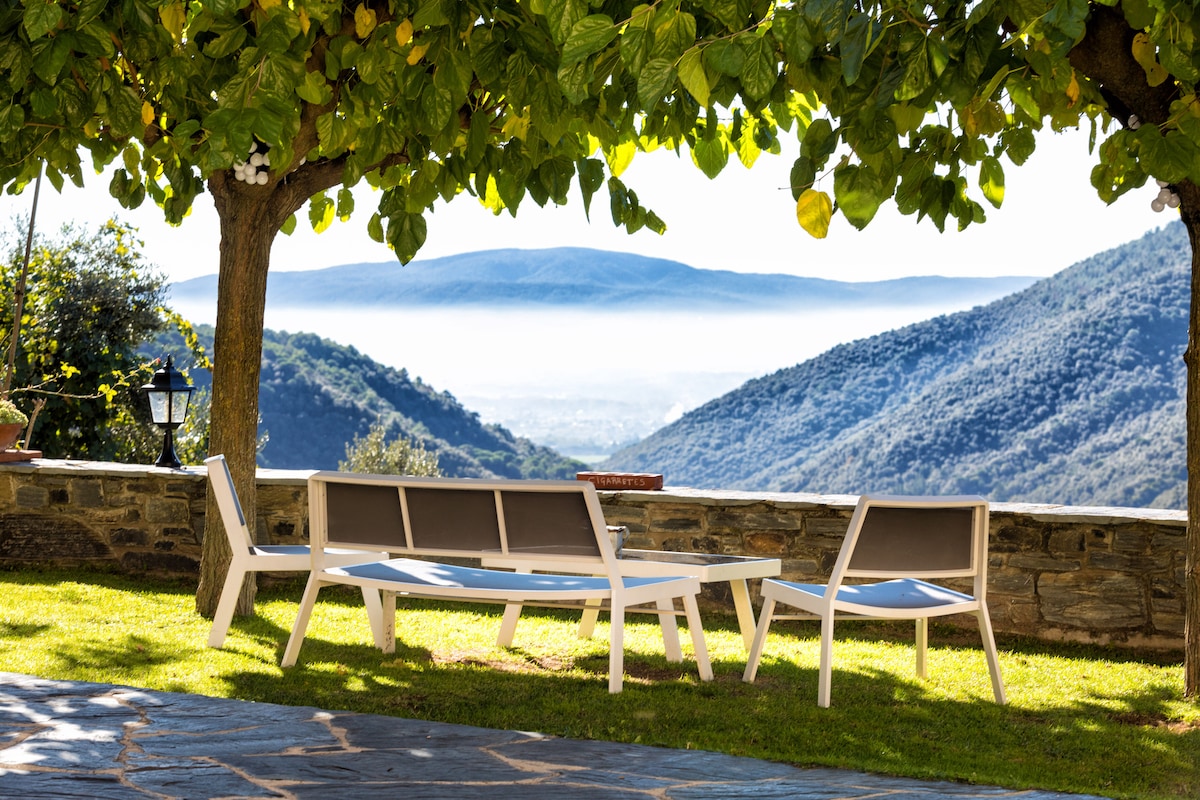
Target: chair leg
993,658
616,648
508,625
826,671
306,607
922,646
692,611
760,636
226,605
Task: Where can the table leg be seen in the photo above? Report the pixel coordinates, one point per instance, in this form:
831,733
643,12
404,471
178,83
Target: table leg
587,622
745,611
670,630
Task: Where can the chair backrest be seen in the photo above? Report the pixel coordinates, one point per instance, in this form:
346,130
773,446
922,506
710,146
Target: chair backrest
465,517
915,537
232,518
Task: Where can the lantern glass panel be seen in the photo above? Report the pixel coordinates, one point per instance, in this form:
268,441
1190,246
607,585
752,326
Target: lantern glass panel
159,410
179,407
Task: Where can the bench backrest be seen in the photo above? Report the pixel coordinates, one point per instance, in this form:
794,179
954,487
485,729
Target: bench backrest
459,517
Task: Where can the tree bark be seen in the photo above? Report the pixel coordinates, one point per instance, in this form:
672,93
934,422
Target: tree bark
1190,213
246,236
1105,55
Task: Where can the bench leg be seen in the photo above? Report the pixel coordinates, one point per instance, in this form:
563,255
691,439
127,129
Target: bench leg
616,648
508,625
670,630
374,614
306,607
697,630
587,622
226,605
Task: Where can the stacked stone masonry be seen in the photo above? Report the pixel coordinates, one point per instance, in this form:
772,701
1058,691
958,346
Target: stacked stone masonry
1100,575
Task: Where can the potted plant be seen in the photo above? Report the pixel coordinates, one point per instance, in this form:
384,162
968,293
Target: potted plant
12,422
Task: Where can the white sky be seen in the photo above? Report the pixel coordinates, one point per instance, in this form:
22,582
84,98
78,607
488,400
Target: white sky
743,220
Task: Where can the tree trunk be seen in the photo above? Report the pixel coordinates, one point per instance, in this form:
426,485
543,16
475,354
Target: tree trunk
1190,213
247,231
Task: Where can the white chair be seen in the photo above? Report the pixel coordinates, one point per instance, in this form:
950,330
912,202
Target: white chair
903,539
249,557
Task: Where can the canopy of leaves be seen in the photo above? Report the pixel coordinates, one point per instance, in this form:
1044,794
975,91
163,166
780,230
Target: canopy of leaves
374,454
426,99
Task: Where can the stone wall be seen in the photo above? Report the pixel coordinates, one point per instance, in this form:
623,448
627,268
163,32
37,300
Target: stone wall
1102,575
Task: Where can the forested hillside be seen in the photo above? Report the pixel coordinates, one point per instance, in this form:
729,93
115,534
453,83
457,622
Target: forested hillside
315,395
1071,391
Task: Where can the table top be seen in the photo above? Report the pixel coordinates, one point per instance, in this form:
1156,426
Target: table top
661,563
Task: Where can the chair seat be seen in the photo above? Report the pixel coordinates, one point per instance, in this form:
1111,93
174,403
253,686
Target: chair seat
903,593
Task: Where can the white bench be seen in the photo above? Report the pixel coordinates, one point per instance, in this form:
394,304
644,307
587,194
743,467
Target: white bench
462,518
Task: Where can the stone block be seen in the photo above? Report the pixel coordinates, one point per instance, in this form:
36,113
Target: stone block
129,537
1065,542
1130,562
167,510
1042,562
87,493
754,520
1131,540
771,545
32,497
1092,600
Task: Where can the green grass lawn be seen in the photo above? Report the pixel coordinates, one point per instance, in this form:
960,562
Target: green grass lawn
1093,720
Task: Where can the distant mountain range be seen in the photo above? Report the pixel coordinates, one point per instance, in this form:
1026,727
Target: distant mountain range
596,278
1071,391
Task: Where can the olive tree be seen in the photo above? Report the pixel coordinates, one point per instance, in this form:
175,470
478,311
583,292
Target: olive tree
917,103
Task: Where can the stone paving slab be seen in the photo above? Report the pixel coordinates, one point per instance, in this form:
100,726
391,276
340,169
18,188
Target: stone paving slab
62,739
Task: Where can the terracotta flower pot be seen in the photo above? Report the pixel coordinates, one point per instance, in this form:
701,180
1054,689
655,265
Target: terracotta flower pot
9,433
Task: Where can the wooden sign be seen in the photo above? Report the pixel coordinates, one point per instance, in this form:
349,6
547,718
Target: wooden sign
640,481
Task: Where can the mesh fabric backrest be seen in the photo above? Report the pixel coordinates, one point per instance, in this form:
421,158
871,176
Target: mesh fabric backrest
549,522
917,540
453,519
368,515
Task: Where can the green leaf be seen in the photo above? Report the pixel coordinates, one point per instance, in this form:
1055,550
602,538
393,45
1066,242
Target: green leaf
41,17
125,112
819,141
655,79
315,89
562,15
590,35
859,194
226,44
710,155
591,178
991,181
406,234
320,212
759,72
854,45
693,75
726,56
674,36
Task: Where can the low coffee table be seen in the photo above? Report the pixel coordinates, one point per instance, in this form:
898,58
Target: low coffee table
709,568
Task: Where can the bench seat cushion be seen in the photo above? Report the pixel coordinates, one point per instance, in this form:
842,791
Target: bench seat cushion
433,579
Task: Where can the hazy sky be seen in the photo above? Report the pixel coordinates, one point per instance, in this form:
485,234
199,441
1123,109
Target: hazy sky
743,220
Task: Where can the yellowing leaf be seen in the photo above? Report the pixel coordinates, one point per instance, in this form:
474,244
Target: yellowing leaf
1072,91
364,21
147,112
416,54
404,32
305,22
516,127
620,157
1146,56
814,210
173,16
267,5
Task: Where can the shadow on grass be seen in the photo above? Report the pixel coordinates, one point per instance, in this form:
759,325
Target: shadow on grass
1126,742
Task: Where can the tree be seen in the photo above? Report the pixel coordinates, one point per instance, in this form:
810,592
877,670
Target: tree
401,456
90,301
427,99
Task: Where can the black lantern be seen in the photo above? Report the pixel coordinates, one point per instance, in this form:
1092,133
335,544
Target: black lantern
169,394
